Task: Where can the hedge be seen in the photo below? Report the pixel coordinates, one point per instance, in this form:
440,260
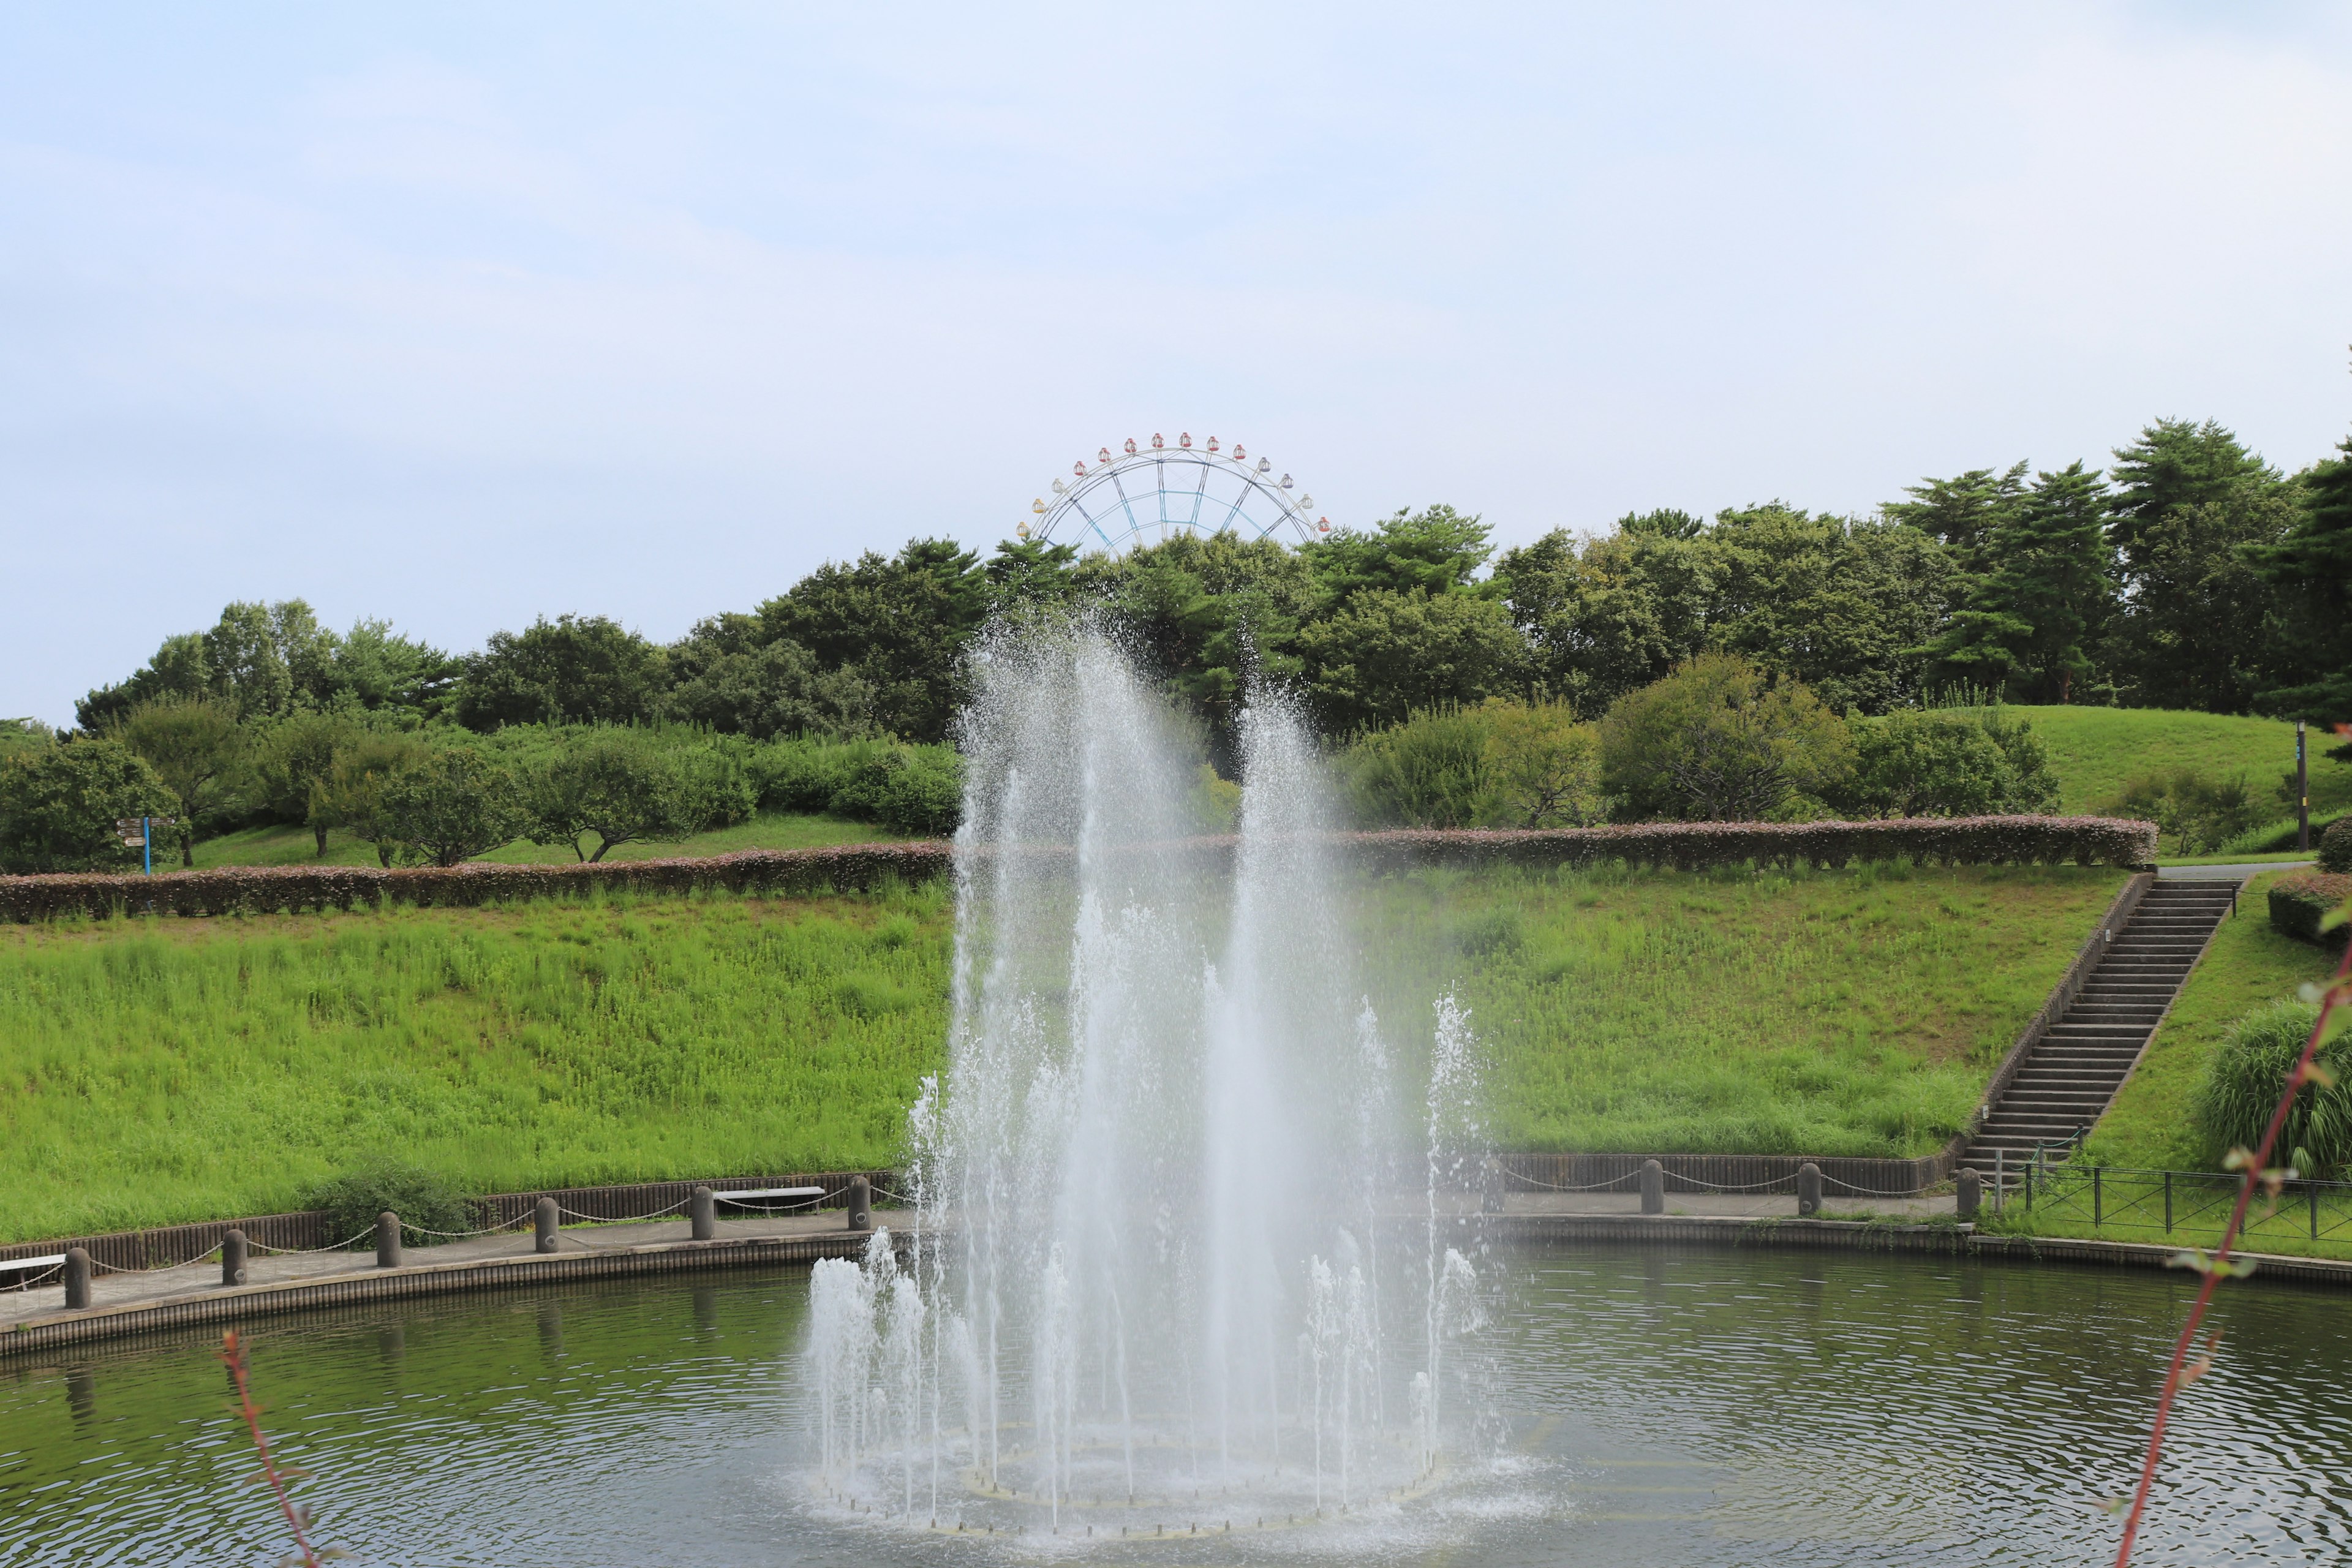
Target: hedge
2299,903
264,889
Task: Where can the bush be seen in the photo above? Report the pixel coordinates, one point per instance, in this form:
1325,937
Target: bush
2245,1077
1952,762
2200,814
353,1198
58,804
2335,846
2300,904
1716,742
1499,764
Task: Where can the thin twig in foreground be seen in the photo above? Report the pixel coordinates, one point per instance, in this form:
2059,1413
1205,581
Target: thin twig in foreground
2216,1268
233,1353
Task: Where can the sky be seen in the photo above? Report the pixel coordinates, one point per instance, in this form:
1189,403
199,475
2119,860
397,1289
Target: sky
460,315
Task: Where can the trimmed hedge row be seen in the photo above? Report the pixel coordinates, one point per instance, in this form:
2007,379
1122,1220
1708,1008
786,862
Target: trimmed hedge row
1694,845
2299,903
265,890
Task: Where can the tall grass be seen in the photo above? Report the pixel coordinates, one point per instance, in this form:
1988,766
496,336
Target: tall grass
151,1073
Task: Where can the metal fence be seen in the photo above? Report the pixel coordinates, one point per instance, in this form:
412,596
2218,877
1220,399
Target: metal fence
2188,1204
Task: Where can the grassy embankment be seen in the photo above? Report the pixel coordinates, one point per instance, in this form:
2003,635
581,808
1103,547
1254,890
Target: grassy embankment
153,1071
2095,751
279,845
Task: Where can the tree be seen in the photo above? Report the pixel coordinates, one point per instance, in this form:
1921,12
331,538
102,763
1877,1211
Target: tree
1964,512
294,756
2176,464
1841,606
200,751
1718,741
2029,622
378,668
2312,568
15,733
1389,653
579,669
351,795
1614,615
58,804
1955,763
900,622
449,804
619,784
1432,552
766,692
2198,625
180,668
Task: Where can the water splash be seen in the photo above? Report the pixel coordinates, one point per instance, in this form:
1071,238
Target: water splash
1163,1192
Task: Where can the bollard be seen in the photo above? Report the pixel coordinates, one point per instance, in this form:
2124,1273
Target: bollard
1971,1192
233,1251
861,1204
544,1217
387,1240
1654,1188
1809,1189
77,1280
704,1207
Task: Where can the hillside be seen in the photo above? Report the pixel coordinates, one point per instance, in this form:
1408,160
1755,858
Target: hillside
153,1071
2097,751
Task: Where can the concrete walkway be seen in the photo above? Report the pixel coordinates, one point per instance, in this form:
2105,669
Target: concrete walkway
125,1289
2226,873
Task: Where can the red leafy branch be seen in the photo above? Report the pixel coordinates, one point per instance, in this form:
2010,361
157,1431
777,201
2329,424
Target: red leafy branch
2218,1267
233,1353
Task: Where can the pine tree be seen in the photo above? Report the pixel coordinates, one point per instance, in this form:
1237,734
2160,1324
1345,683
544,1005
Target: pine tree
1963,512
2176,464
2030,619
2313,567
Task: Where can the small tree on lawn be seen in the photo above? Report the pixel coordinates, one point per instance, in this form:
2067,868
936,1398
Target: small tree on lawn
200,751
1714,742
449,805
58,804
618,785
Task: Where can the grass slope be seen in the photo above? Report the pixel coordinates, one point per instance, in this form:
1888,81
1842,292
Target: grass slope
2248,965
283,845
2097,751
170,1070
1857,1012
160,1071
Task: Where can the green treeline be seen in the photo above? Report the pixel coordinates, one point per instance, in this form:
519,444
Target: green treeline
2189,573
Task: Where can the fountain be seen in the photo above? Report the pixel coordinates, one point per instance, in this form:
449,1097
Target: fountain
1191,1254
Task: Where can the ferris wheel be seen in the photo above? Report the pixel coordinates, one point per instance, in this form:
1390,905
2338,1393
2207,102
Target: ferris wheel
1145,494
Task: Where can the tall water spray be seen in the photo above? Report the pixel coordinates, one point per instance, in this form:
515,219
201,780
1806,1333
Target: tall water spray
1188,1250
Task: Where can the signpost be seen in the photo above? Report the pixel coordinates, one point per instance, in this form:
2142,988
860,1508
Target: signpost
138,833
2302,794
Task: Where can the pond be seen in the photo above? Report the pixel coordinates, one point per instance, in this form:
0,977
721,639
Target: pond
1651,1407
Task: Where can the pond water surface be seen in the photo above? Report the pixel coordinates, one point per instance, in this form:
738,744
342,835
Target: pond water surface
1654,1408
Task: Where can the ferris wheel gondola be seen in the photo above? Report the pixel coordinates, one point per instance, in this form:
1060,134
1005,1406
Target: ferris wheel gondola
1141,495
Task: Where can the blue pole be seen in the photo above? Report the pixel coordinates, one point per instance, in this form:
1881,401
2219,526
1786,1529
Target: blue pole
147,843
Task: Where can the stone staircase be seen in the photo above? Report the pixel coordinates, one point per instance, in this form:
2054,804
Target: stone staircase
2076,1067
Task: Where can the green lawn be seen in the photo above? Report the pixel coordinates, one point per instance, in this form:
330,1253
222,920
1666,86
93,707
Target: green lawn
2097,751
2248,965
282,846
155,1071
1854,1011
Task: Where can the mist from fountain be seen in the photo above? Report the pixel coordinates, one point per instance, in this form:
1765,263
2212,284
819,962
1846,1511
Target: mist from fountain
1189,1254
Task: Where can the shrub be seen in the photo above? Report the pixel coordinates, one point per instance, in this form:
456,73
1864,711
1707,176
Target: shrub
2335,846
58,804
2200,814
449,805
352,1199
2245,1077
1949,763
1499,764
908,789
1716,742
2299,904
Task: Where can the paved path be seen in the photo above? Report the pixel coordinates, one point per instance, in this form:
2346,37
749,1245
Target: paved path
1724,1206
2225,873
286,1268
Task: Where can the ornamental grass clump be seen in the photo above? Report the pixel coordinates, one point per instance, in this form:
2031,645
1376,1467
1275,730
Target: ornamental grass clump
2241,1088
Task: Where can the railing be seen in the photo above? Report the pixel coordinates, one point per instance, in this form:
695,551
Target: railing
2169,1203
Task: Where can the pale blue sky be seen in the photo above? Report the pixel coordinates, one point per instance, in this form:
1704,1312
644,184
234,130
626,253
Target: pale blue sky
460,315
